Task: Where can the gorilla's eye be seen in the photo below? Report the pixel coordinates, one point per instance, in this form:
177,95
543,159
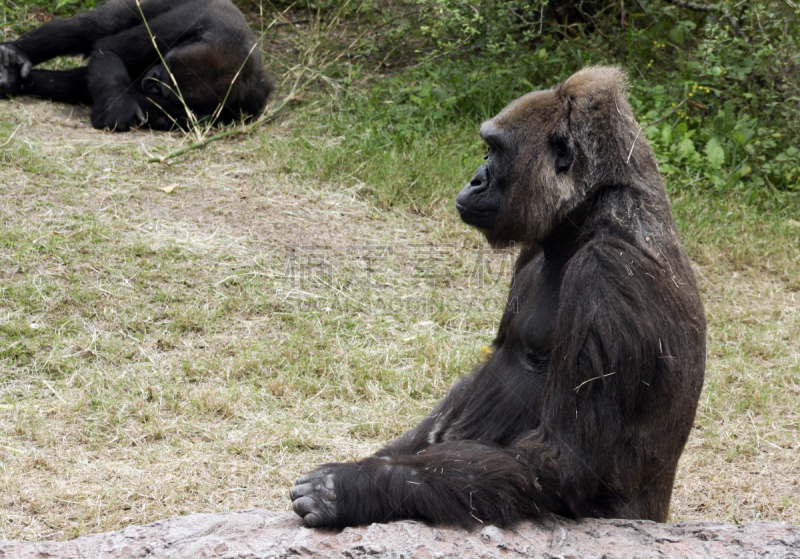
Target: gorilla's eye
562,152
535,361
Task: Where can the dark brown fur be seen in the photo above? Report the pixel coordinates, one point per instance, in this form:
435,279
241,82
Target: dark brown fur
586,403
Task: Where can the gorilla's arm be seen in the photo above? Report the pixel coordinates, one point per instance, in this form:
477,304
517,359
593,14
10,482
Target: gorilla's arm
118,101
462,483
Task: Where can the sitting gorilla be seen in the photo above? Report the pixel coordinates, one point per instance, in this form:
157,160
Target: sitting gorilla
146,59
587,401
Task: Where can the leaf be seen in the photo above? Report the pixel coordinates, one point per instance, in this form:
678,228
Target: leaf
666,134
715,155
169,189
676,34
63,3
685,148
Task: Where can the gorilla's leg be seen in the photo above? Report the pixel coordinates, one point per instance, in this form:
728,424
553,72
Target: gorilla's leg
63,86
76,35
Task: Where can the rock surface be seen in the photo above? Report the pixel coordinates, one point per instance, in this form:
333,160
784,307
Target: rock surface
265,534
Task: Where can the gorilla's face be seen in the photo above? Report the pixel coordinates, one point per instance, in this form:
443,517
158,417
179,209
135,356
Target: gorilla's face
158,83
526,184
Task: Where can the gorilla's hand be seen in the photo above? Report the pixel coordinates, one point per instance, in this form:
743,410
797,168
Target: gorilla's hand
14,67
314,497
12,56
159,120
121,114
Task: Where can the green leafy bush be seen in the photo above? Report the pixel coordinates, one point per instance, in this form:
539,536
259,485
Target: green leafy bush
493,25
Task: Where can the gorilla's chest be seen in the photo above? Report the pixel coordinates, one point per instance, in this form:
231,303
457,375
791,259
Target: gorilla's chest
533,307
506,393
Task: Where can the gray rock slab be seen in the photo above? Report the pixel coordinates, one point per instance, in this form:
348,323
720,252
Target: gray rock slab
255,534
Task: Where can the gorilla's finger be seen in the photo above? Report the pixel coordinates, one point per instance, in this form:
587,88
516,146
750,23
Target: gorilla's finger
303,505
313,519
301,490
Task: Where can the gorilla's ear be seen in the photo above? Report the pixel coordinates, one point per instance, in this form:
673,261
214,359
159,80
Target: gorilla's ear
563,152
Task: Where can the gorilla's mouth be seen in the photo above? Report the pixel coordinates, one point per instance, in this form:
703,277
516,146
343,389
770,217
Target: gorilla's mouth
476,218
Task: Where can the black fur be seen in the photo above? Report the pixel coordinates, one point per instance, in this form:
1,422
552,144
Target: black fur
204,43
586,403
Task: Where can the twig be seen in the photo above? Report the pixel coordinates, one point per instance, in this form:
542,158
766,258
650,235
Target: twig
11,137
232,131
290,22
53,390
214,138
234,276
633,145
434,57
178,93
710,8
696,7
591,379
675,108
12,449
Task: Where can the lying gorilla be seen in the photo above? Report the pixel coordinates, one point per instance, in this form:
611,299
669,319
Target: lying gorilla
135,49
585,405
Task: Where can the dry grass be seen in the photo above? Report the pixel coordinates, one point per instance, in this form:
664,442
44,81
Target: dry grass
194,351
162,354
743,460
